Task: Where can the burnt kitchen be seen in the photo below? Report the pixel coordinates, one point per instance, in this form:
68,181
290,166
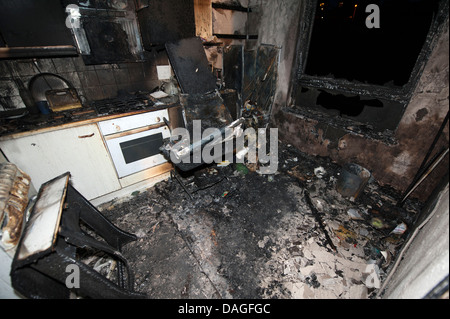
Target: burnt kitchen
233,149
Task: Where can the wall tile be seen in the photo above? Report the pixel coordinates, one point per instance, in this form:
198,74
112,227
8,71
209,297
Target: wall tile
110,91
152,84
5,70
106,77
150,72
94,93
26,80
24,68
10,103
136,74
45,66
17,102
103,67
89,79
8,88
73,78
127,88
64,65
79,64
122,76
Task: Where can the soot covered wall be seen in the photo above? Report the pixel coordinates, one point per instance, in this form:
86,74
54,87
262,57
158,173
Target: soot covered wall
393,163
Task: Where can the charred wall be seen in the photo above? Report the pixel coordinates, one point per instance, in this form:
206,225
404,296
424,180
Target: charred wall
277,22
393,160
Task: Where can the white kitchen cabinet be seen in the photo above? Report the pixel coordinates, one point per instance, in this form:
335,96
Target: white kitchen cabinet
79,150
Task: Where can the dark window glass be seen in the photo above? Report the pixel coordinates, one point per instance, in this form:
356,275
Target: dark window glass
343,47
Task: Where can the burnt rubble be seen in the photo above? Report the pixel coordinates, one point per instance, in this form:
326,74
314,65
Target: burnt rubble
229,232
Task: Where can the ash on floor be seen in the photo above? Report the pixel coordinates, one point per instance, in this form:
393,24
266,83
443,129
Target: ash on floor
238,234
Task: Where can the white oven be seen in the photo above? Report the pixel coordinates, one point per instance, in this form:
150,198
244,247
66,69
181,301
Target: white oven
134,141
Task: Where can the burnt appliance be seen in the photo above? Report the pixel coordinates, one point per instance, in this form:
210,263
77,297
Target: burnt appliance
63,100
202,104
134,141
121,104
106,32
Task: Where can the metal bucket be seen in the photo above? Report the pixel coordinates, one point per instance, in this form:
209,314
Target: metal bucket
352,180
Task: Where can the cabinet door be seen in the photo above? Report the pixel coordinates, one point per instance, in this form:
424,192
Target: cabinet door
78,150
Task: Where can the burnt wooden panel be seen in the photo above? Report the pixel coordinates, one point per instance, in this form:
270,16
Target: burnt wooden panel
260,77
203,18
190,64
233,64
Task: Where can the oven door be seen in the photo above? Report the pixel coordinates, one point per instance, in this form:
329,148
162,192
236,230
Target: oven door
137,150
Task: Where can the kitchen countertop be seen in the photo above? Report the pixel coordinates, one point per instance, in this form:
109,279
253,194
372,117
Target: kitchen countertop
19,123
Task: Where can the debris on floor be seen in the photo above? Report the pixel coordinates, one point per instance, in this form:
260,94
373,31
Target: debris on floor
239,234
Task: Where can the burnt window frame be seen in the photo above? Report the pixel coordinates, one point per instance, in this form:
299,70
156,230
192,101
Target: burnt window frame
401,94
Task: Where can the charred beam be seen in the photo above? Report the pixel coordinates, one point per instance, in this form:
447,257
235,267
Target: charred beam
236,36
317,217
230,7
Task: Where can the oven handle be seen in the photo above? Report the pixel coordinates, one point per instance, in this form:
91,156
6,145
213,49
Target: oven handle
135,131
